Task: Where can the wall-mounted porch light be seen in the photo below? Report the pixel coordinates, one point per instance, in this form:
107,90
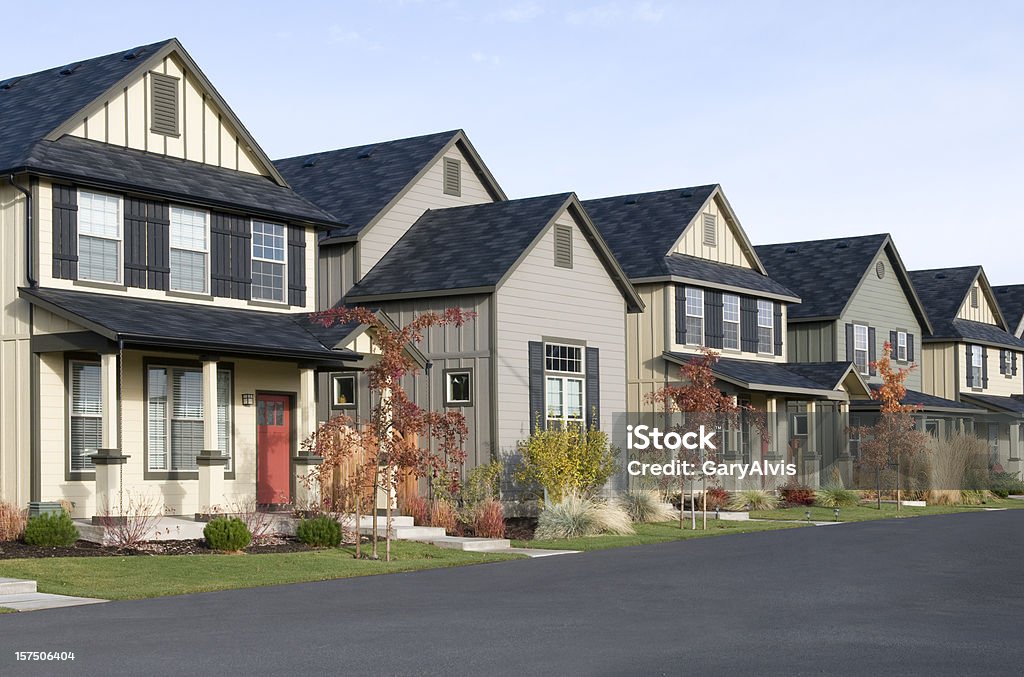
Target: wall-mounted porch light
248,399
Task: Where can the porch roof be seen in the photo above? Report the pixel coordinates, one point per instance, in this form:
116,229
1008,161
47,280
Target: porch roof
190,326
925,401
818,379
1007,405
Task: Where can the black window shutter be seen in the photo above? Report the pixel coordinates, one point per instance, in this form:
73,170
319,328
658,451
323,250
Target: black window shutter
65,232
241,258
779,330
910,347
230,256
713,330
135,260
1002,361
536,374
158,245
296,265
970,368
984,367
593,369
849,342
894,353
680,314
1014,364
748,324
872,356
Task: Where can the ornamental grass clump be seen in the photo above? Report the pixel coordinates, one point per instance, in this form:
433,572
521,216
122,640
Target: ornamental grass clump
645,505
489,519
754,499
320,532
12,522
576,516
227,534
836,497
51,530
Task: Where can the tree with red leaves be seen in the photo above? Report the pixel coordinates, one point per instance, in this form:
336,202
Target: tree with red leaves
390,440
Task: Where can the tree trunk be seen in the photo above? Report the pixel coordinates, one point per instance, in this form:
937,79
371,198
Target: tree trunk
898,503
373,505
388,519
878,487
359,519
693,505
682,501
704,501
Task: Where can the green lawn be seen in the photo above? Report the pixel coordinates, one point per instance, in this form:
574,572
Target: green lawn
870,512
136,577
5,610
655,533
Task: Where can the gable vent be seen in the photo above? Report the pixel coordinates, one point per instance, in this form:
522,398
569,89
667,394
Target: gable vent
791,250
366,152
974,297
563,246
68,70
163,91
310,162
880,269
452,176
710,230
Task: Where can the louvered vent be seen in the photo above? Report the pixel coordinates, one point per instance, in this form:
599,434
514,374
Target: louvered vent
563,246
164,104
974,297
710,230
452,176
880,269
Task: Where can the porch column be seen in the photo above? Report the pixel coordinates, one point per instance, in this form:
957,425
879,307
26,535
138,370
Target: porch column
844,461
812,459
731,453
210,460
108,459
1014,462
770,452
307,492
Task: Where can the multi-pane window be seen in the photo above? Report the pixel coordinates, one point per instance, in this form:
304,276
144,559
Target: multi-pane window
189,250
860,348
99,237
977,360
731,321
694,316
174,417
564,388
268,261
86,413
901,346
765,327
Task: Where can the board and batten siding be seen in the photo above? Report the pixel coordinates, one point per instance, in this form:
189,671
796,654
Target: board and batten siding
983,313
205,135
939,369
727,249
646,368
811,342
541,300
882,304
426,193
336,273
15,351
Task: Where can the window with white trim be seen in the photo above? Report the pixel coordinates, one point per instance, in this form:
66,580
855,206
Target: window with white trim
458,388
765,327
100,237
977,359
190,250
86,413
564,381
269,254
694,316
860,348
901,346
730,321
343,391
174,417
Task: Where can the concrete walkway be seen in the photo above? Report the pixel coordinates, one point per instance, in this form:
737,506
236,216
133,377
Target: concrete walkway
21,595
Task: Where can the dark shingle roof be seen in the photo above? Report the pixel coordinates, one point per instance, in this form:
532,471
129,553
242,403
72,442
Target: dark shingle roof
829,373
193,326
460,247
824,273
682,265
942,291
1011,302
355,184
914,398
811,376
1013,405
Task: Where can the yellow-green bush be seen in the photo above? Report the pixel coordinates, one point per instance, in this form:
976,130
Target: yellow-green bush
569,459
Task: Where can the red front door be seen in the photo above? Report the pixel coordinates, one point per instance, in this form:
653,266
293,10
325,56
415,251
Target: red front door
273,449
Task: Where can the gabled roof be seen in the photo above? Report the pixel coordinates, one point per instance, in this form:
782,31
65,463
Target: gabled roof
189,326
822,379
357,184
923,400
827,273
944,290
1011,302
472,249
338,335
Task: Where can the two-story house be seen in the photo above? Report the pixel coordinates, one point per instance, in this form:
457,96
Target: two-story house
972,355
704,286
158,276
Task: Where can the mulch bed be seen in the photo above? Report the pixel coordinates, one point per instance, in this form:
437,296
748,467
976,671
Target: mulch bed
520,528
19,550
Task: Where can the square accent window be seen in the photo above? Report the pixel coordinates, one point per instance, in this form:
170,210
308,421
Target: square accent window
99,237
458,389
860,348
694,316
189,250
86,413
901,346
343,391
566,359
765,327
268,261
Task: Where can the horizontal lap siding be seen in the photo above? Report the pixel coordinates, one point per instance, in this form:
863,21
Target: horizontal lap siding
15,356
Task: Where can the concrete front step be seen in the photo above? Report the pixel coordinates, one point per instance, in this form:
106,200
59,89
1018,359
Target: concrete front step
16,586
36,601
366,521
471,544
406,533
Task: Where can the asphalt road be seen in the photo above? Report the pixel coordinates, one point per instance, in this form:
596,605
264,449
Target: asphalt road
930,596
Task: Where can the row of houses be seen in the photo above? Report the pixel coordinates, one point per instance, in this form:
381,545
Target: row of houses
159,271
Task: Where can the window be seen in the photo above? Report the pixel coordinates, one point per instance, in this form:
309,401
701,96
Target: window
1007,363
931,427
452,176
189,250
99,237
710,230
901,346
564,392
86,413
563,246
974,297
163,93
860,348
977,357
343,391
731,321
268,261
694,316
174,417
854,437
458,387
765,327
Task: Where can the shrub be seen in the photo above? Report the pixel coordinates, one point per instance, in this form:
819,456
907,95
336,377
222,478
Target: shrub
837,497
576,516
717,497
489,519
137,522
483,483
754,499
51,530
228,534
975,496
569,459
797,495
645,505
1003,484
418,509
320,532
12,522
442,514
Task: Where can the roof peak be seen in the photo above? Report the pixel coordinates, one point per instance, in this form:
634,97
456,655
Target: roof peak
365,146
679,192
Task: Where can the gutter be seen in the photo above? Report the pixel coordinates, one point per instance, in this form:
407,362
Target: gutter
32,281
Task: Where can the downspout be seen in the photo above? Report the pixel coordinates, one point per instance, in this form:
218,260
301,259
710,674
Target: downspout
32,282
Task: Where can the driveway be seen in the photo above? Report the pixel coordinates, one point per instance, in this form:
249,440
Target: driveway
931,596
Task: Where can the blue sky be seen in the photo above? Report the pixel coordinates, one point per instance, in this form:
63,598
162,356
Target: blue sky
820,119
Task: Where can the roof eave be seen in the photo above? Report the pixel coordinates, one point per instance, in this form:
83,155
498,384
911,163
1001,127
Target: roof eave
418,294
715,285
